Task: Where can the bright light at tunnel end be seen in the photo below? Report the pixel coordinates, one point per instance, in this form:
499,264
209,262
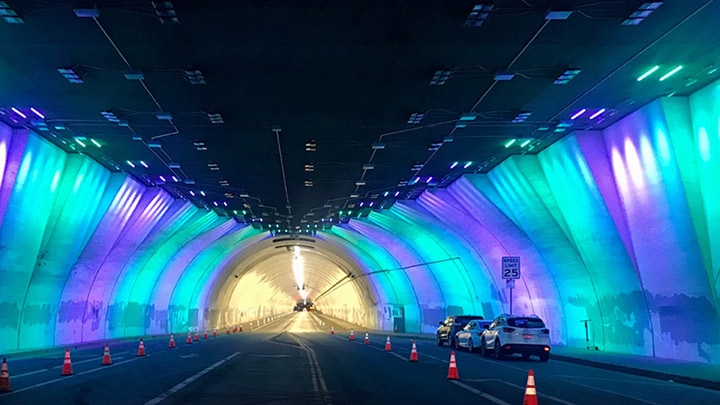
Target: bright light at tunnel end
299,271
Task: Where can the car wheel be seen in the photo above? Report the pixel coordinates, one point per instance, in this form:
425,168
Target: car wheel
544,357
471,348
498,350
439,341
457,344
483,348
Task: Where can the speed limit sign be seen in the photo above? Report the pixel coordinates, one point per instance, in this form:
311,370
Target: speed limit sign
510,267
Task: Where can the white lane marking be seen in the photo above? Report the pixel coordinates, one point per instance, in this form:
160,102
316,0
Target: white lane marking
189,380
399,356
315,370
98,359
66,377
480,393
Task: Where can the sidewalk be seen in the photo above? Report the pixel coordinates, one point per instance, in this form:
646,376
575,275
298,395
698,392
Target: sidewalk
683,372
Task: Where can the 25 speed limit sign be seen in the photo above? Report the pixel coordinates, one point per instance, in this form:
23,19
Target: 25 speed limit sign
510,267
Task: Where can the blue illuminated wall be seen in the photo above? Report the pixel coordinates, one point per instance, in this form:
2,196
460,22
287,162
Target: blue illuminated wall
619,227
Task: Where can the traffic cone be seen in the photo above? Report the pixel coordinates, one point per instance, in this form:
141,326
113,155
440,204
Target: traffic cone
530,394
452,370
197,338
141,349
205,334
413,353
214,332
240,329
235,329
189,338
228,331
388,347
67,365
106,361
332,330
171,345
4,377
352,335
367,339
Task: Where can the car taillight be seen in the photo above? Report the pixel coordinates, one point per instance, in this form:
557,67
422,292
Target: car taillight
508,330
545,331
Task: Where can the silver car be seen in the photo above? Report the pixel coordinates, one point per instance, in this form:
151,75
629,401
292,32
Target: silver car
471,335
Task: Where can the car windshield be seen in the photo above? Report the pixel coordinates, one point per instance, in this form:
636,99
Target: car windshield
526,322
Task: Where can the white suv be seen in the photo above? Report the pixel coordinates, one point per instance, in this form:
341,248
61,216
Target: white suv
522,334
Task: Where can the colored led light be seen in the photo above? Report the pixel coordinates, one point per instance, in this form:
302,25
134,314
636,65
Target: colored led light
648,73
38,113
453,165
145,165
131,164
79,142
18,112
525,143
467,165
96,143
510,143
670,73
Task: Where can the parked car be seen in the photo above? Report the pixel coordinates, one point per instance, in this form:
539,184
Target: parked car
509,334
471,335
449,327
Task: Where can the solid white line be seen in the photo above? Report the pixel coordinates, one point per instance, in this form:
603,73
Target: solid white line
480,393
98,359
189,380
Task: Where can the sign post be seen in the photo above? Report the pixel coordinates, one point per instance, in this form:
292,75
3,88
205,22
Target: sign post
510,273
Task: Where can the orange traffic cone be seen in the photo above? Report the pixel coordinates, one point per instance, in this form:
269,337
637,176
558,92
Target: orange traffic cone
228,331
205,334
388,348
352,335
141,348
452,370
4,377
530,394
367,339
67,365
240,330
171,345
413,353
189,338
214,332
106,361
235,329
332,330
197,338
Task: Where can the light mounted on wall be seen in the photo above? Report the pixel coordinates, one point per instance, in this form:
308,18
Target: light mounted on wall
670,73
648,73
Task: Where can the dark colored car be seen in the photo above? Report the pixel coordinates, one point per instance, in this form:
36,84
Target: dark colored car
450,326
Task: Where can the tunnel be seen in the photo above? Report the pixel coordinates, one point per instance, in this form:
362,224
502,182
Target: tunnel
617,229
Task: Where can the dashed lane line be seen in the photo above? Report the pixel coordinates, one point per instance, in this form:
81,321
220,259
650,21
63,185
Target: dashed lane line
60,366
189,380
475,391
64,378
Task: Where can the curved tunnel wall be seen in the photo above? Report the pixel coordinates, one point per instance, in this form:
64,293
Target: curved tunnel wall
618,227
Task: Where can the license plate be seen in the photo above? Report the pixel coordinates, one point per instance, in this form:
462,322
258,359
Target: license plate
528,336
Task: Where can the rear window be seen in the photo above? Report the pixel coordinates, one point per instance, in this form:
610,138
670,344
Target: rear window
463,320
526,322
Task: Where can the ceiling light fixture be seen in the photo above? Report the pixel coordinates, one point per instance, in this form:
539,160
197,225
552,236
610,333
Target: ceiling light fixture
448,138
311,146
110,116
510,143
466,165
194,76
173,165
38,113
504,76
309,167
522,116
378,145
131,164
453,165
478,15
199,145
526,142
215,118
145,165
96,143
134,74
468,116
642,12
558,15
213,166
440,77
648,73
360,182
597,113
154,144
415,118
670,73
567,75
70,75
578,114
164,116
9,15
87,12
18,112
165,12
368,166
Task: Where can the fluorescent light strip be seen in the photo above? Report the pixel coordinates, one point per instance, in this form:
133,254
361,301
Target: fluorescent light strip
648,73
38,113
510,143
79,142
525,143
467,165
597,114
18,112
670,73
578,114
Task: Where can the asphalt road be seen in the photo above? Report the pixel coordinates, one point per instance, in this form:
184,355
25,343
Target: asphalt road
295,359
